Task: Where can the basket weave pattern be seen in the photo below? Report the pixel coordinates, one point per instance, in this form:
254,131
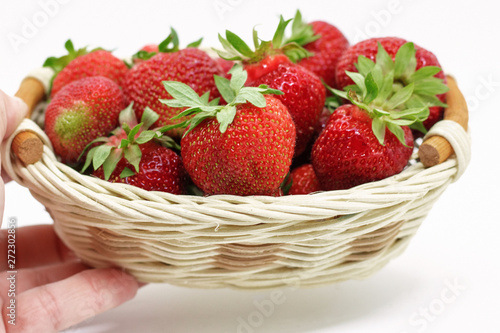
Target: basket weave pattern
231,241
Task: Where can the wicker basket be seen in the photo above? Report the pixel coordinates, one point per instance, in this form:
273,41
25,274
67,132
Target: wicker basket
240,242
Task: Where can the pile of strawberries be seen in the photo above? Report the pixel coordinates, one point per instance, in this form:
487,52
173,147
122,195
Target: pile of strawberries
300,113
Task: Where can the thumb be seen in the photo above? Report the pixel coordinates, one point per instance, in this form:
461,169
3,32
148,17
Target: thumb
12,112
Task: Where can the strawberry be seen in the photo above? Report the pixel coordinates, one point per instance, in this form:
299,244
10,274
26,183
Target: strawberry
160,169
150,48
82,111
347,153
403,76
369,139
146,52
143,82
82,63
323,120
225,66
324,41
242,148
266,56
134,155
262,67
303,180
303,93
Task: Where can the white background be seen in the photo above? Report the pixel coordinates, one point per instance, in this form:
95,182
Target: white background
451,268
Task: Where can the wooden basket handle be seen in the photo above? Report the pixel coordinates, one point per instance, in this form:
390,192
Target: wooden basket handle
27,146
436,149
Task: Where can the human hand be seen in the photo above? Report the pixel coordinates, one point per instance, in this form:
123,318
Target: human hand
12,111
50,288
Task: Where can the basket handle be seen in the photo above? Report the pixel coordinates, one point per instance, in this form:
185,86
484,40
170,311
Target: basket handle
436,149
26,145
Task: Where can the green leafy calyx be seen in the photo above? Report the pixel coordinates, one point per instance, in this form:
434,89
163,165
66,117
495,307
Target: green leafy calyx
302,32
393,92
168,45
57,64
233,91
235,48
125,143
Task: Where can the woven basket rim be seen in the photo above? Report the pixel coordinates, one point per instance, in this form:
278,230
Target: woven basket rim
199,241
411,184
452,131
413,167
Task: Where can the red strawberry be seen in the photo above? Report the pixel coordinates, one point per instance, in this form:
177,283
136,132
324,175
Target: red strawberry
82,111
134,156
369,49
370,139
304,180
242,148
145,53
264,66
347,153
225,66
305,157
303,95
323,120
150,48
79,64
143,83
160,169
266,56
324,41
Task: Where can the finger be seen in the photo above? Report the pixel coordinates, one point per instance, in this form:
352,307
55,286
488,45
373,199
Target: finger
62,304
35,246
29,278
12,111
6,178
2,201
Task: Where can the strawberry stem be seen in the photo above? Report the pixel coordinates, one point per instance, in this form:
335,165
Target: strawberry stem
169,45
57,64
108,152
393,93
235,48
233,91
302,32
